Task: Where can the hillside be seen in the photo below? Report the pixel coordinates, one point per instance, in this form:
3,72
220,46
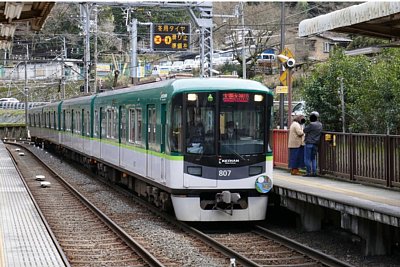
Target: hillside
8,116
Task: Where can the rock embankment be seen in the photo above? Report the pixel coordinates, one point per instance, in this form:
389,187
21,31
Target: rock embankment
12,116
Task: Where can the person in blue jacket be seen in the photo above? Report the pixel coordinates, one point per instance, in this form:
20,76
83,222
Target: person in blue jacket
312,137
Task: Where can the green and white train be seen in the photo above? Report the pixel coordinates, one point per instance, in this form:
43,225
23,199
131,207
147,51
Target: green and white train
199,145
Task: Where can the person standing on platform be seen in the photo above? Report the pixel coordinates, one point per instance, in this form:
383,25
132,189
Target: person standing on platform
312,138
296,145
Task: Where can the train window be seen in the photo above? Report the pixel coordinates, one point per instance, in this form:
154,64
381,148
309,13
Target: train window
152,117
132,125
135,125
54,120
139,125
103,123
200,123
96,124
122,112
111,124
83,125
68,120
87,123
77,122
242,122
44,120
176,125
63,121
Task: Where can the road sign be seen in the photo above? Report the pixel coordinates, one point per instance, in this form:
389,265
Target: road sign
286,52
281,89
171,37
283,77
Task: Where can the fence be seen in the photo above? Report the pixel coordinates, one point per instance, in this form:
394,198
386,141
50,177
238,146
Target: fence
358,157
20,105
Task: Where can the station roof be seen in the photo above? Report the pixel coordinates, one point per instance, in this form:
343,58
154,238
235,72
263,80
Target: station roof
375,19
14,15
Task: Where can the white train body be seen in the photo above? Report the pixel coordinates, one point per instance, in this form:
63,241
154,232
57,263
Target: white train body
142,138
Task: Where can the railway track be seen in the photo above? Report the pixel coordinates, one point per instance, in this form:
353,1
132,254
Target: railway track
257,246
87,236
254,246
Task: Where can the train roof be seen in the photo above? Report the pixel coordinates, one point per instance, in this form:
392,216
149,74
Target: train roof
182,85
218,83
79,100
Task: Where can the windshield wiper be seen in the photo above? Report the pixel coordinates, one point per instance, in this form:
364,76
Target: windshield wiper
234,152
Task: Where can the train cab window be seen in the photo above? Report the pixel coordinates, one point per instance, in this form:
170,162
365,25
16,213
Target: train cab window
135,125
176,125
200,123
241,123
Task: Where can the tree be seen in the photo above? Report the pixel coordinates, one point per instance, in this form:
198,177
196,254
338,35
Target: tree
371,92
257,32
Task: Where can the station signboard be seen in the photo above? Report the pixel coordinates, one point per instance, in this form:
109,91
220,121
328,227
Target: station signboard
171,37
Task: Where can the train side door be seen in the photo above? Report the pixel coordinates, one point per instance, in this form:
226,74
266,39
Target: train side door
162,141
151,143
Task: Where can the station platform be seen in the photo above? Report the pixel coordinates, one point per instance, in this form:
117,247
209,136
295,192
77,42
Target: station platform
370,212
24,239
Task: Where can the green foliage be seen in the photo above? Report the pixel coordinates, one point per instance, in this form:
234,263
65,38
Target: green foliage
364,41
371,92
228,69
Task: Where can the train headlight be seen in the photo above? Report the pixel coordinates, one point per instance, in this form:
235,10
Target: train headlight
264,184
197,171
191,97
258,98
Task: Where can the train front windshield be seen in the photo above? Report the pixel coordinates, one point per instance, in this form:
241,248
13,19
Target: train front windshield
224,123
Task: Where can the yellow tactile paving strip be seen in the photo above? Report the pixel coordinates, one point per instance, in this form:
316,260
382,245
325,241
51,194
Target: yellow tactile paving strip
380,195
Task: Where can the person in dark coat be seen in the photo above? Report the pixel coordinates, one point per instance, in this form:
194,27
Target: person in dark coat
312,136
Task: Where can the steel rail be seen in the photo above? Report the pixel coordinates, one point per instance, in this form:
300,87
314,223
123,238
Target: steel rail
312,253
139,249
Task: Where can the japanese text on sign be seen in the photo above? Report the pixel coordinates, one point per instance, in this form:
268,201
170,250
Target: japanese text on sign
235,98
171,37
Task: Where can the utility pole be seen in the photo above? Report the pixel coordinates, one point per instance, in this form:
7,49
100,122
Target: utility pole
95,51
243,42
64,56
134,50
26,91
282,96
85,15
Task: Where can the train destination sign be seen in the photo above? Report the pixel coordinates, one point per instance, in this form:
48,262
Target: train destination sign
171,37
235,98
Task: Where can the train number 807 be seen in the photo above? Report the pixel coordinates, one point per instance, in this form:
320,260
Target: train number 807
224,173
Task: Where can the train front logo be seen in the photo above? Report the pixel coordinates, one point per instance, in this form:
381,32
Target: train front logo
264,184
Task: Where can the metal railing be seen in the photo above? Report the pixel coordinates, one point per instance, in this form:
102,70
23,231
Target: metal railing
20,105
369,158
